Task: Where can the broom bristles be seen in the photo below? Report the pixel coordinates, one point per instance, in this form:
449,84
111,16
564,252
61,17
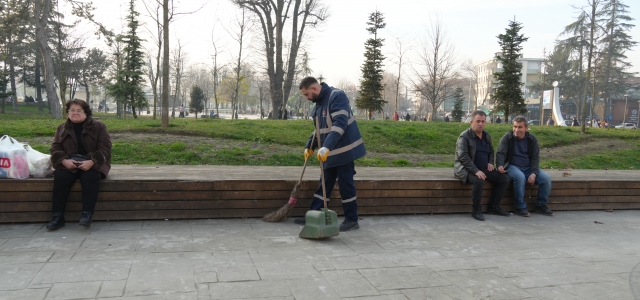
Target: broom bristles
283,212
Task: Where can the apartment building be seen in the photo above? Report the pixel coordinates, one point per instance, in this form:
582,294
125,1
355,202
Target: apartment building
531,70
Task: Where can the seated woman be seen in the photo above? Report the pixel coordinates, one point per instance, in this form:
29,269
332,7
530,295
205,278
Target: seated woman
81,149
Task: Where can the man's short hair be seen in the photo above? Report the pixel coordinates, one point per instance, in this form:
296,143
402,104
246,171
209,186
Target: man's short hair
478,112
520,119
307,82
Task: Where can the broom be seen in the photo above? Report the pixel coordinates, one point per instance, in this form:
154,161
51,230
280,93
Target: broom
283,212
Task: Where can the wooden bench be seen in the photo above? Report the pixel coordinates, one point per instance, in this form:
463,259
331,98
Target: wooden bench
134,192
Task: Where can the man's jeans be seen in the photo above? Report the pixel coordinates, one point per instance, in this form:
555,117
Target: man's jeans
519,176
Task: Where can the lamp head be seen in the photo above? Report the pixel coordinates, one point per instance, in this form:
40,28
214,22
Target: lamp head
555,84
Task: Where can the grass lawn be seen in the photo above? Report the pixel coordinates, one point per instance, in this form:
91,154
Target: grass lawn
269,142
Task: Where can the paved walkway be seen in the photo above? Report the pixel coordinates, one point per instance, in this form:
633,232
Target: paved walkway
574,255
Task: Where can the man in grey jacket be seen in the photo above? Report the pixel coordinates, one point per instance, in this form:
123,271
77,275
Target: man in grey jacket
474,165
519,157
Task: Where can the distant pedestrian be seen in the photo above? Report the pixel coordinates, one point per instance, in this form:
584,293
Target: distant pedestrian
550,122
574,122
498,120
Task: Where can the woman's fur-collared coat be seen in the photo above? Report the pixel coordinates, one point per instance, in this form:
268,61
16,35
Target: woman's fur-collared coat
96,141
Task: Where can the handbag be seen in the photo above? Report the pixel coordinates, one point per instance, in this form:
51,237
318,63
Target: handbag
79,157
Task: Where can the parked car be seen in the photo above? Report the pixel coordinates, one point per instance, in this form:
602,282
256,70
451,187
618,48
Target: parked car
626,125
533,122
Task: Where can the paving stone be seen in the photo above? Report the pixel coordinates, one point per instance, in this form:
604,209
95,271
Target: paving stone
159,277
238,274
111,289
15,233
206,277
349,283
484,284
312,288
403,278
457,263
42,244
360,244
168,296
552,293
28,257
390,259
62,256
618,290
125,225
83,271
17,276
75,290
272,267
594,253
427,293
26,294
350,262
381,297
250,289
106,249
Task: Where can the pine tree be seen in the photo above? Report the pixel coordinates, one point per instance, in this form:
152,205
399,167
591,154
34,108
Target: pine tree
370,94
129,80
456,113
616,42
197,100
508,89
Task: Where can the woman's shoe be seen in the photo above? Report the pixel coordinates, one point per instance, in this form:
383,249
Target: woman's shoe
86,219
57,221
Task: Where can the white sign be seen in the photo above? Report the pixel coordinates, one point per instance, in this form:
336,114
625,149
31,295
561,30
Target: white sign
546,99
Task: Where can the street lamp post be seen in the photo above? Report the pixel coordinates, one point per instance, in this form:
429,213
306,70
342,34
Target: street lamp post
626,98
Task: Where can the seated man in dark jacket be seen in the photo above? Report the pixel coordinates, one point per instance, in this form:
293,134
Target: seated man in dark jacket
474,165
519,157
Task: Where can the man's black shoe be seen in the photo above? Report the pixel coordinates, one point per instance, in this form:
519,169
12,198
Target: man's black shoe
86,219
543,209
300,221
523,212
57,221
497,210
348,225
477,215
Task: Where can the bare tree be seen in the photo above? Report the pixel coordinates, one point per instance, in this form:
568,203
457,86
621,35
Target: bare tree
469,68
154,12
434,82
243,26
178,62
215,70
399,56
273,17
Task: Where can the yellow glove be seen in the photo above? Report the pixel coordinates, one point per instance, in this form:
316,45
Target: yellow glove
307,153
323,153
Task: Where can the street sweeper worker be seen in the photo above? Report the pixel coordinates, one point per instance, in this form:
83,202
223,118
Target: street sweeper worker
341,145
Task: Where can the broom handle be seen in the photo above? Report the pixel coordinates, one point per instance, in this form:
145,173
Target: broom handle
324,191
313,139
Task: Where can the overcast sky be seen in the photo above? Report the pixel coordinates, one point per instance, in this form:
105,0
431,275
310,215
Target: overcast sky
337,48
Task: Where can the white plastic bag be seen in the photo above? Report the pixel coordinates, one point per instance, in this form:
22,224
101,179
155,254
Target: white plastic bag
39,163
14,162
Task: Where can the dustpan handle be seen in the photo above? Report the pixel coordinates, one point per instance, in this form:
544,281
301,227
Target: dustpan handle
324,191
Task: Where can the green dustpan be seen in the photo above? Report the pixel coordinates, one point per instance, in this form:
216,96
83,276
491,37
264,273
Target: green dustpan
320,224
323,223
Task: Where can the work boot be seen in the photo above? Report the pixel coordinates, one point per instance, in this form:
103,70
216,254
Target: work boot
497,210
349,225
57,221
477,214
86,219
300,221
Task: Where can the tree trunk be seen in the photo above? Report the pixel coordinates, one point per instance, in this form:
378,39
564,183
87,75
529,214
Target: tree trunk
12,79
38,83
165,64
41,15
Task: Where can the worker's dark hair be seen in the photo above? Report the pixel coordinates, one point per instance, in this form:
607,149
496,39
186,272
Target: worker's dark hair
308,82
